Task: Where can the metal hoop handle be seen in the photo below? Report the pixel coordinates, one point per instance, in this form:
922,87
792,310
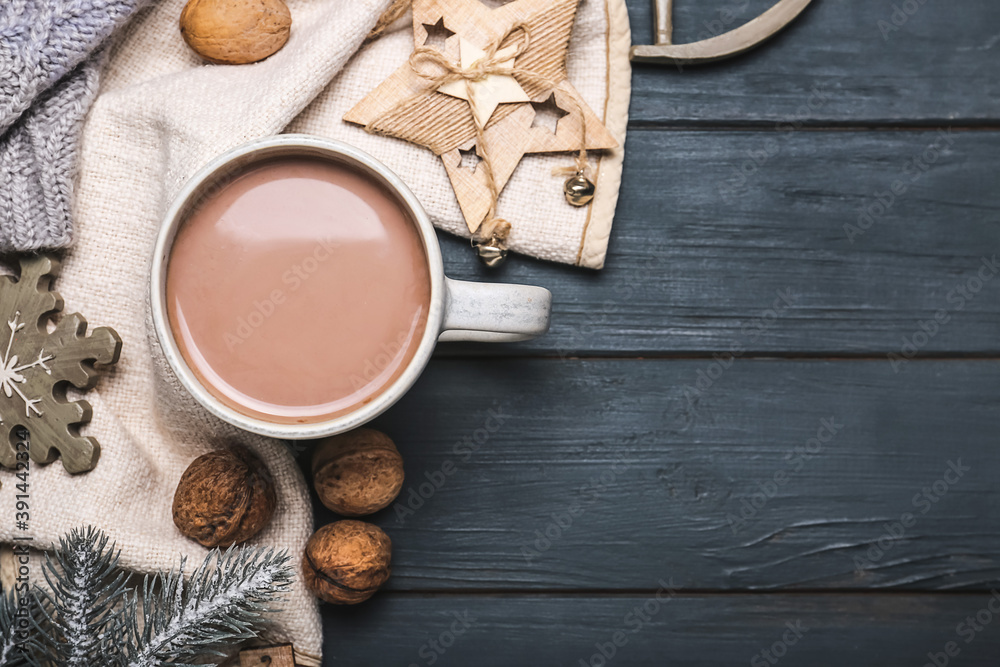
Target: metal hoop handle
726,45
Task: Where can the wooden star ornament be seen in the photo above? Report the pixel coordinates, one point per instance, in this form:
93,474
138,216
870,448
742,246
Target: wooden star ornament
489,92
480,90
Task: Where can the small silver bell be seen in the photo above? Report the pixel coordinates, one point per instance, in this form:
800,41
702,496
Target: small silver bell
579,189
491,253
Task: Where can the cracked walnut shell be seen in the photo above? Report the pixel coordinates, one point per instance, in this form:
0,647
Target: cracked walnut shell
236,32
347,561
224,498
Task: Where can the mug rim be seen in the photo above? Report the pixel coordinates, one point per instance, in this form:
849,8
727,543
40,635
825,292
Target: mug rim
176,215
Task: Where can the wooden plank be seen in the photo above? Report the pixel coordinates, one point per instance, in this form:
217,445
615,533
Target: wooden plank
842,62
603,475
273,656
714,226
697,631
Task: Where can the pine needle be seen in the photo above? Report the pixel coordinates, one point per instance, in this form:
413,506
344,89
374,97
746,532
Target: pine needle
11,651
93,618
87,589
221,605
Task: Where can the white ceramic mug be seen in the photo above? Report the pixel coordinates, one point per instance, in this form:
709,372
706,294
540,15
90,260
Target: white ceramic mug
459,311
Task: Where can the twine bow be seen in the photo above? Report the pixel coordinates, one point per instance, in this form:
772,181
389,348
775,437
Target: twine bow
434,67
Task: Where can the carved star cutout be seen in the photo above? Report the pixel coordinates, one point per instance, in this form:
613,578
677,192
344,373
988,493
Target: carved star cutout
490,92
548,114
437,35
407,107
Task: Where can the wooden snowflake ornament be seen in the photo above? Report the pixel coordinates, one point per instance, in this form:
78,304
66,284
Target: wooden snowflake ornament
477,89
39,361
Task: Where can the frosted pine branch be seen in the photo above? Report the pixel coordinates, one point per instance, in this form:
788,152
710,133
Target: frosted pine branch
221,605
10,652
91,617
87,588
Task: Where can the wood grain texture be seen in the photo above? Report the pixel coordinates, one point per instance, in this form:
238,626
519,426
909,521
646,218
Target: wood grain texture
730,43
936,67
631,469
697,631
718,475
712,226
273,656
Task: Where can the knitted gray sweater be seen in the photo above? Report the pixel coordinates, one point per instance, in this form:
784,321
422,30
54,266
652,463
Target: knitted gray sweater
49,65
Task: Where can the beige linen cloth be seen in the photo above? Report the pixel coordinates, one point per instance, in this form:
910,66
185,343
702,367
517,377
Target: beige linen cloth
160,116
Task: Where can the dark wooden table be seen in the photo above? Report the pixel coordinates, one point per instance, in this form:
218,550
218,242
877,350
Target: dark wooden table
768,430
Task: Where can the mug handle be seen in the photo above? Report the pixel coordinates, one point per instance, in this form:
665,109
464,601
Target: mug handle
494,313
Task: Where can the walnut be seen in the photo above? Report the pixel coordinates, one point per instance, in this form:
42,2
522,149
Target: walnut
346,562
224,497
235,32
357,473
